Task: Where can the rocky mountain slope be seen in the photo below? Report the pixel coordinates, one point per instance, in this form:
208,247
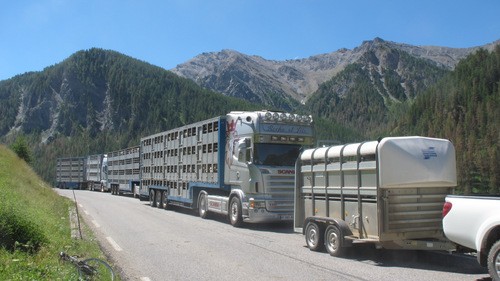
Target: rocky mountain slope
257,79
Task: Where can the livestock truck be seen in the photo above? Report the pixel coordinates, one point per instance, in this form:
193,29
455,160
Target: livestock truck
124,171
70,172
240,165
96,172
388,192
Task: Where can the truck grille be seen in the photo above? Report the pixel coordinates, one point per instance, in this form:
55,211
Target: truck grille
280,188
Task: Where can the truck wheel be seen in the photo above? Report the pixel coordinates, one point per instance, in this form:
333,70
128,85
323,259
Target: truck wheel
203,205
235,216
494,261
152,198
159,199
164,200
314,237
333,241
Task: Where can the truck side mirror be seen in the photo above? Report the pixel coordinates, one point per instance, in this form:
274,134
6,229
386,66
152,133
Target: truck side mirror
244,150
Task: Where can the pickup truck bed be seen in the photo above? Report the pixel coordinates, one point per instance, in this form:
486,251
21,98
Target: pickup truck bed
473,222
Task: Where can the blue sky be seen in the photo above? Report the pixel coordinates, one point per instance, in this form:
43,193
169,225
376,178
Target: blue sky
40,33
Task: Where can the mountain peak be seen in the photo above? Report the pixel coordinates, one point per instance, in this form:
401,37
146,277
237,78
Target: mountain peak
235,74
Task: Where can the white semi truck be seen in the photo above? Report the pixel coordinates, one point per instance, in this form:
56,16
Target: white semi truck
240,164
388,192
96,172
124,171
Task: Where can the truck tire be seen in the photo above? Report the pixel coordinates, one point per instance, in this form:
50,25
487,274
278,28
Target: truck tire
164,200
203,205
159,198
152,198
314,237
235,216
494,261
333,241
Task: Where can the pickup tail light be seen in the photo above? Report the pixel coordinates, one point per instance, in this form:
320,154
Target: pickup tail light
446,208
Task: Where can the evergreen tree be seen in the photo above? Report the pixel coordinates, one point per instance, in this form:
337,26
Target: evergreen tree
21,148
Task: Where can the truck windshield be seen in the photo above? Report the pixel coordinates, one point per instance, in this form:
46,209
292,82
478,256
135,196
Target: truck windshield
276,154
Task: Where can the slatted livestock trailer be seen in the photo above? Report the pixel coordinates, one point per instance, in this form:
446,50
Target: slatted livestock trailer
70,172
388,192
124,171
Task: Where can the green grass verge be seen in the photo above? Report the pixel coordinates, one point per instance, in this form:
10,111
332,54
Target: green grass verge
34,226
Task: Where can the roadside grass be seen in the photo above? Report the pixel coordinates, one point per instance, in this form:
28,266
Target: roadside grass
35,227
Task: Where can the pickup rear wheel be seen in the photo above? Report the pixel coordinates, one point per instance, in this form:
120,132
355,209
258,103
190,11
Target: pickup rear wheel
314,237
494,261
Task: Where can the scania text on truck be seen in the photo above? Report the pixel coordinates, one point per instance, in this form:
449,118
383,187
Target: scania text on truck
388,192
240,165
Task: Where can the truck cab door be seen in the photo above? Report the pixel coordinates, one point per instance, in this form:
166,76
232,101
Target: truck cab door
241,157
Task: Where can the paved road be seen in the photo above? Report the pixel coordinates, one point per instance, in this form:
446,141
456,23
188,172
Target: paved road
153,244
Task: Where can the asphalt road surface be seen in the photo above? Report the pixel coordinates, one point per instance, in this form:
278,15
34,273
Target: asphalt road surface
151,244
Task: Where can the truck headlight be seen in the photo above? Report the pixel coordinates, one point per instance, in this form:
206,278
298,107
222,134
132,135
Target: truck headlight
256,204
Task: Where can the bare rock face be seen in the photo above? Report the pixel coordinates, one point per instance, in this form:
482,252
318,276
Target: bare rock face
257,79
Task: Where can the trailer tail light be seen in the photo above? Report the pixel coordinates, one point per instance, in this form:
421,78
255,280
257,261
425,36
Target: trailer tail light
446,208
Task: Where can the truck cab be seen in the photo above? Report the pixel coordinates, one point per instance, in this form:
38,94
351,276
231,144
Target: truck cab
263,148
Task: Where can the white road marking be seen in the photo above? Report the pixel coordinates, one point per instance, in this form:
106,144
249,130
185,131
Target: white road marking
114,244
85,211
95,223
145,279
81,206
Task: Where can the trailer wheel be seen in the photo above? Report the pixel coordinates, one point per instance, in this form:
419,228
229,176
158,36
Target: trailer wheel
333,241
235,216
202,205
494,261
152,198
314,237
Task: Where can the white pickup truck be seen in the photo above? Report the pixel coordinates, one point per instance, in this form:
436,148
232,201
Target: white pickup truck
473,222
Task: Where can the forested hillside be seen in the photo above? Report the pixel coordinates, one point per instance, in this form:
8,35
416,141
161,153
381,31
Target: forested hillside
465,108
97,101
364,94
